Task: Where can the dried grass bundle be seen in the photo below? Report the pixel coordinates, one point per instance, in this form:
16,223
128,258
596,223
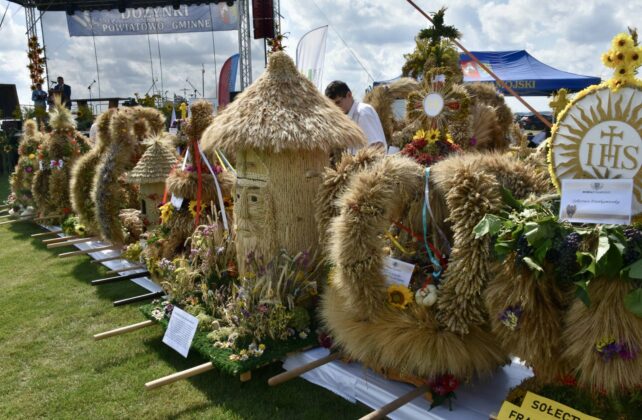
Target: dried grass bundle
382,98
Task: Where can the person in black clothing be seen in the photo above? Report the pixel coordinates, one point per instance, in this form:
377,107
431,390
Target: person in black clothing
64,91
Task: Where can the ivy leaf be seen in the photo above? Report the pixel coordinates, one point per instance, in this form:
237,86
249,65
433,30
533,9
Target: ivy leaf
586,261
489,225
582,292
635,270
611,264
503,248
603,246
532,264
509,199
537,233
633,301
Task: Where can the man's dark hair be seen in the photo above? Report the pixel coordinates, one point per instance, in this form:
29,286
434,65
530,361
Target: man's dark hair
337,89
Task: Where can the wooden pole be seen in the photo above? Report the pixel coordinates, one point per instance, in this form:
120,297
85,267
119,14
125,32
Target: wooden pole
174,377
5,206
489,71
55,216
4,216
123,330
58,239
87,251
115,279
45,234
102,260
72,241
140,298
392,406
8,222
131,267
298,371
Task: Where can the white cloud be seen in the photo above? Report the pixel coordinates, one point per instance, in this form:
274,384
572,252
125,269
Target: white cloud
566,34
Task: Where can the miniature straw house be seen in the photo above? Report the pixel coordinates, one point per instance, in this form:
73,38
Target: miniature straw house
150,173
281,130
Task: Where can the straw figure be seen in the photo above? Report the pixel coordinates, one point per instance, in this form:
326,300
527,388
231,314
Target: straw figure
128,129
193,189
27,165
150,173
83,172
410,336
382,99
57,154
282,131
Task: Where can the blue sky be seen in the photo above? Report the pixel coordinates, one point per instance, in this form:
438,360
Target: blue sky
567,34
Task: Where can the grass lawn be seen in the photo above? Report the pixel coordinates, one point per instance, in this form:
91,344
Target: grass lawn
52,368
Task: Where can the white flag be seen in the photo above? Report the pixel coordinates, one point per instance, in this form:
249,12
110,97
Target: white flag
310,55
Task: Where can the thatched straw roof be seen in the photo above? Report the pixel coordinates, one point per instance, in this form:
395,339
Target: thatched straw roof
154,165
282,110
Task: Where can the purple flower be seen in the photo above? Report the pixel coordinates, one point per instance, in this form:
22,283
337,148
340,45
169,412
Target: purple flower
473,141
245,313
627,352
168,309
510,316
304,259
28,169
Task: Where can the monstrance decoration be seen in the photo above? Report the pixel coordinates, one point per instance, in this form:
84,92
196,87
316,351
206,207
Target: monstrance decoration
599,134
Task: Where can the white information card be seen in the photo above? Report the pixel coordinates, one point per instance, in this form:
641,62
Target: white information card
180,331
397,271
177,202
603,201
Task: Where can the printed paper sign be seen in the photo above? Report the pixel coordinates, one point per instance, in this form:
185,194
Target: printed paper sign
397,271
180,331
177,202
605,201
510,411
545,408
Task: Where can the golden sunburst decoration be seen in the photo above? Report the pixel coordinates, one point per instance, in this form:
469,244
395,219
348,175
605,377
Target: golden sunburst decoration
600,136
448,102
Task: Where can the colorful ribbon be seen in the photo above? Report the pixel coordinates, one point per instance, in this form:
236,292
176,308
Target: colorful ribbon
425,210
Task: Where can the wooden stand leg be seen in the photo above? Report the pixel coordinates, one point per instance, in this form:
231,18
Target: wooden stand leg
140,298
45,234
72,242
123,330
296,372
87,251
39,219
24,219
115,279
179,375
392,406
58,239
131,267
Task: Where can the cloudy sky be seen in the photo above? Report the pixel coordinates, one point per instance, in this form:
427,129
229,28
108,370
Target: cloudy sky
567,34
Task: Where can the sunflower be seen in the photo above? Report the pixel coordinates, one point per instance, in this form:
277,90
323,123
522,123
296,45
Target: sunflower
166,211
32,156
433,136
192,207
419,135
399,296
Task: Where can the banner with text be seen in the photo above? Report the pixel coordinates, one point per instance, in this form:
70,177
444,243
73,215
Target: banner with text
162,20
310,55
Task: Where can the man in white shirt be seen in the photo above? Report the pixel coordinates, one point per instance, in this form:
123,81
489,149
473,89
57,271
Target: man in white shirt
363,114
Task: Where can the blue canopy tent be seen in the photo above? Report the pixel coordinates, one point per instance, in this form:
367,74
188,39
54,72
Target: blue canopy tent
522,72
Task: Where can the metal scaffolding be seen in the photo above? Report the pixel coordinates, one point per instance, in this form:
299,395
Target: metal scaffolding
245,53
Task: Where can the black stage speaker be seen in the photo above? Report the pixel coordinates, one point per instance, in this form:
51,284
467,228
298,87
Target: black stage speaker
8,101
263,18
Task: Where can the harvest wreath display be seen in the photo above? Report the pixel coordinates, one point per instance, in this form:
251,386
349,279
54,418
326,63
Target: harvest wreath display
435,266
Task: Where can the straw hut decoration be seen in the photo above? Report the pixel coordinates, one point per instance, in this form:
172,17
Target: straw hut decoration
150,173
401,330
195,187
128,129
281,130
27,165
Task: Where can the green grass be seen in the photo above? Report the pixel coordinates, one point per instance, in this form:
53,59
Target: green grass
52,368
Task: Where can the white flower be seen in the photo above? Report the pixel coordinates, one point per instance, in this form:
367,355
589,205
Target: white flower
157,314
303,335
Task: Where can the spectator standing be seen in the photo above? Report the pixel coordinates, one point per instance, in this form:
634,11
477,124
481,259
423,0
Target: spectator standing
64,91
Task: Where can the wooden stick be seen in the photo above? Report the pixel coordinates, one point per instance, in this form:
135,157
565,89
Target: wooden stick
102,260
546,122
7,222
166,380
140,298
72,241
58,239
55,216
5,206
44,234
115,279
131,267
298,371
4,216
87,251
392,406
123,330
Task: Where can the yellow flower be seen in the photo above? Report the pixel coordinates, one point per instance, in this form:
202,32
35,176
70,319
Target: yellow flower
166,211
192,207
420,134
449,138
399,296
32,156
433,136
622,41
